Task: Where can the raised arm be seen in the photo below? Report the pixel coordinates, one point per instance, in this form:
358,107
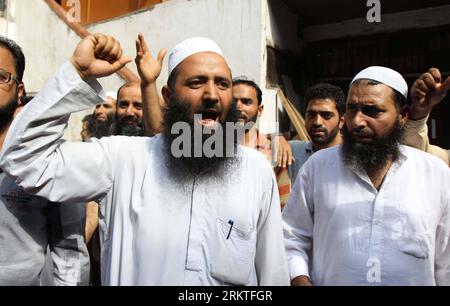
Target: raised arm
427,91
149,69
34,153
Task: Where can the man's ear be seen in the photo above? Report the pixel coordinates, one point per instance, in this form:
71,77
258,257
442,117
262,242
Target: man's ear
341,122
404,115
20,94
166,94
260,110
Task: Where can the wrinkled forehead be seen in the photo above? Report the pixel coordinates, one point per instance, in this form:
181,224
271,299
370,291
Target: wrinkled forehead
204,64
367,93
367,86
131,91
244,91
322,105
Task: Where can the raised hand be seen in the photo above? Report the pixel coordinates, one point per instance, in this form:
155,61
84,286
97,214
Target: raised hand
97,56
427,91
148,67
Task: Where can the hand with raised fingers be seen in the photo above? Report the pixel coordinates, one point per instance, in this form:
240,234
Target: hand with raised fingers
149,68
98,55
427,91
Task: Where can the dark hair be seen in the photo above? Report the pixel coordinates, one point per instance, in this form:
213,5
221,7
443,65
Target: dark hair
327,91
16,51
245,81
399,99
87,118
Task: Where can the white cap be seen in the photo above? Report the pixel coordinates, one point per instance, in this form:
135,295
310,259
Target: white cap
189,47
386,76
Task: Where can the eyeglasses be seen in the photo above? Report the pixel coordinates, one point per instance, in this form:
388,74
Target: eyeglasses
5,77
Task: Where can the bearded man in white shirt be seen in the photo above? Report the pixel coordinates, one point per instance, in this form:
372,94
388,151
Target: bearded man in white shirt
193,220
370,211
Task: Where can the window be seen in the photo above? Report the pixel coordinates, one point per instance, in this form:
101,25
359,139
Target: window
99,10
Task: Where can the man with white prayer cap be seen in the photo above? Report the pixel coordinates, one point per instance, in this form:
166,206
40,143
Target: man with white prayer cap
174,214
370,211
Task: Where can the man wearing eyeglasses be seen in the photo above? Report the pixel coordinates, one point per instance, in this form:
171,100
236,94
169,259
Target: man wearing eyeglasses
30,224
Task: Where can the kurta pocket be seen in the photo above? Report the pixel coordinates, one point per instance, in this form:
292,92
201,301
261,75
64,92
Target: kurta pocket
413,237
233,254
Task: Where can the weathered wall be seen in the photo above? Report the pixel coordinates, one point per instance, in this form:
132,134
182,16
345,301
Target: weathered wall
236,25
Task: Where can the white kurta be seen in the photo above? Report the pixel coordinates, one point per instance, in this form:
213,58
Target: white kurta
340,230
157,233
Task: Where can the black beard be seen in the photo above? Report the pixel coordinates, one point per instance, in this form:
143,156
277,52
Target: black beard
184,169
7,112
373,156
328,138
98,128
120,127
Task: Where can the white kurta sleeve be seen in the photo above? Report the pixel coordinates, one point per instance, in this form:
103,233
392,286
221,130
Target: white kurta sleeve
298,227
271,264
416,136
35,155
442,255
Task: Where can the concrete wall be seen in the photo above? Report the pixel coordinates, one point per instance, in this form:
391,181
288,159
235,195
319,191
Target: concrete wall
236,25
280,32
46,41
8,20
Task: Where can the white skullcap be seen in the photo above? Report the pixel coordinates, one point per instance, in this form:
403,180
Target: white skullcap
189,47
111,94
386,76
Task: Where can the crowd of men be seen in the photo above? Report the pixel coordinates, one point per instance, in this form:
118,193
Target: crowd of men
164,192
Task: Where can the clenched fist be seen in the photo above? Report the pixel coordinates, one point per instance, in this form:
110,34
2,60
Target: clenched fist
97,56
427,91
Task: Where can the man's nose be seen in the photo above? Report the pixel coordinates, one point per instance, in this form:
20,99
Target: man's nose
238,104
359,120
317,121
211,93
130,111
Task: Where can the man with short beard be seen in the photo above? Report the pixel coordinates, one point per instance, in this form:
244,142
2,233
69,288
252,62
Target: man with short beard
29,224
128,118
325,108
201,228
370,211
248,99
103,117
